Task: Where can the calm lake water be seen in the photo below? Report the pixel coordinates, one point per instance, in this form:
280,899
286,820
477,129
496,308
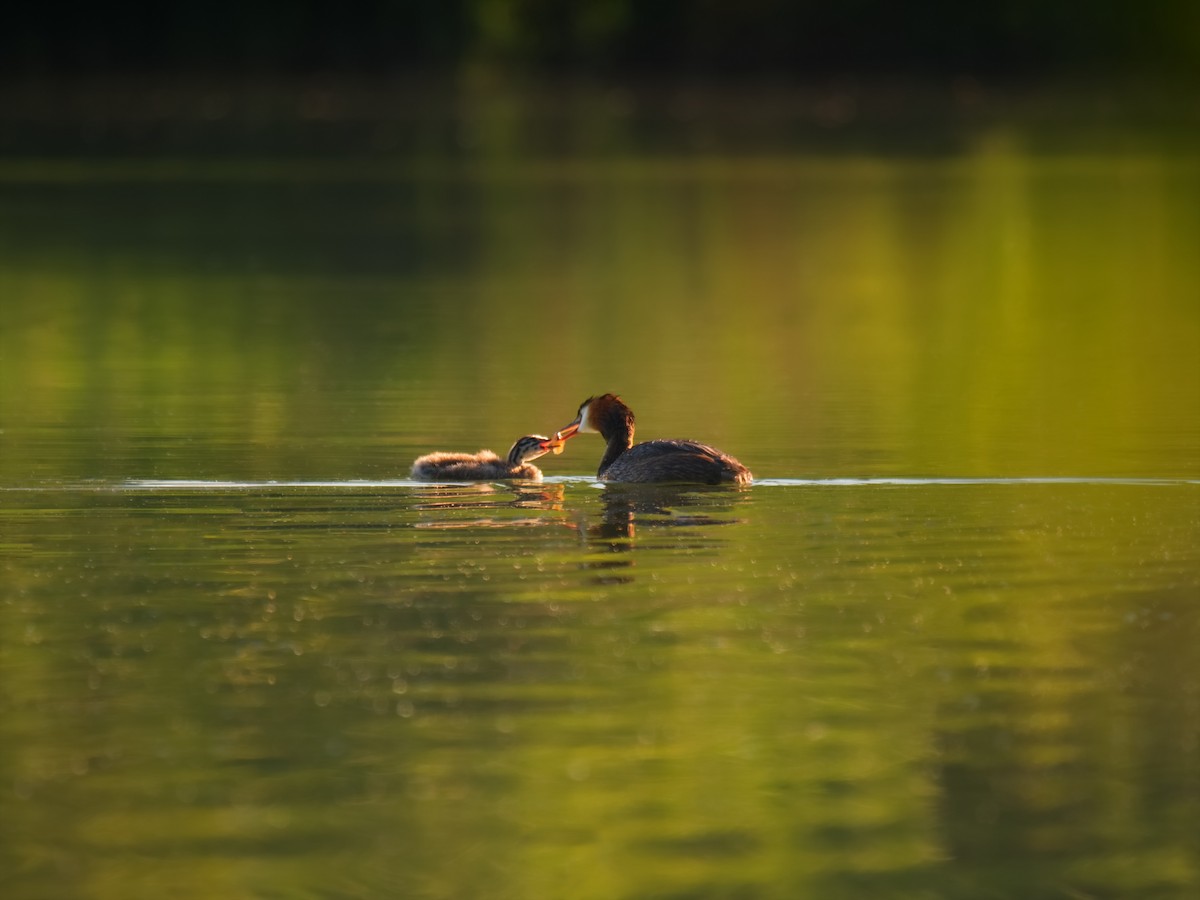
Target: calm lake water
944,647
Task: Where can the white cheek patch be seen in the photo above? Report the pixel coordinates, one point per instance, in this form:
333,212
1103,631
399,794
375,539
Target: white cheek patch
584,424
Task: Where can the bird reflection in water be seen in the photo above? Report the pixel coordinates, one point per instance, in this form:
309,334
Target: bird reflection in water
487,496
625,507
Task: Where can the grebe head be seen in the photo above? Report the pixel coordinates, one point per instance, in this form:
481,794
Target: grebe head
533,446
604,415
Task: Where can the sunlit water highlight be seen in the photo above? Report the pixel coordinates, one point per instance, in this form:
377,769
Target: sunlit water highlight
169,484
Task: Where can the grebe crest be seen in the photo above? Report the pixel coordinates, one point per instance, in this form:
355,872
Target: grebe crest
603,415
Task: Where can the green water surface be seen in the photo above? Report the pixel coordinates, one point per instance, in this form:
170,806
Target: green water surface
944,647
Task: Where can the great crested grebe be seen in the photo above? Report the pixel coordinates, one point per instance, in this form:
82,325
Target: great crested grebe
679,461
486,465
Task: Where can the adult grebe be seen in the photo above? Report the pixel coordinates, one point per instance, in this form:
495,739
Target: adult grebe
486,465
680,461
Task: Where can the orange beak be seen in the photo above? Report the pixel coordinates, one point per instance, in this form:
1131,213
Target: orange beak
569,432
553,445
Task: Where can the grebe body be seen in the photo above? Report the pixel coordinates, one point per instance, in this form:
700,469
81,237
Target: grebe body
650,461
486,465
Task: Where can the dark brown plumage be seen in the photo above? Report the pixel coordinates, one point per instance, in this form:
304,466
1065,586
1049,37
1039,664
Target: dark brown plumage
664,460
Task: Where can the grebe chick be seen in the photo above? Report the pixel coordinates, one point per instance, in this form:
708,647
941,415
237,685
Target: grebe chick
486,465
679,461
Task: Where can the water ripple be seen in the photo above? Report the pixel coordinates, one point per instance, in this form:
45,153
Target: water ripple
198,484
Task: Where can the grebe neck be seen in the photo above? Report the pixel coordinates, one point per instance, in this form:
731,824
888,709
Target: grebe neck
620,439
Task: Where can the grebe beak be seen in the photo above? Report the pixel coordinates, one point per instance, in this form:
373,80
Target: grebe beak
569,432
552,445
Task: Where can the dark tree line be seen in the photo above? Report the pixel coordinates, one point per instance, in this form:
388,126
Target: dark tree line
599,36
